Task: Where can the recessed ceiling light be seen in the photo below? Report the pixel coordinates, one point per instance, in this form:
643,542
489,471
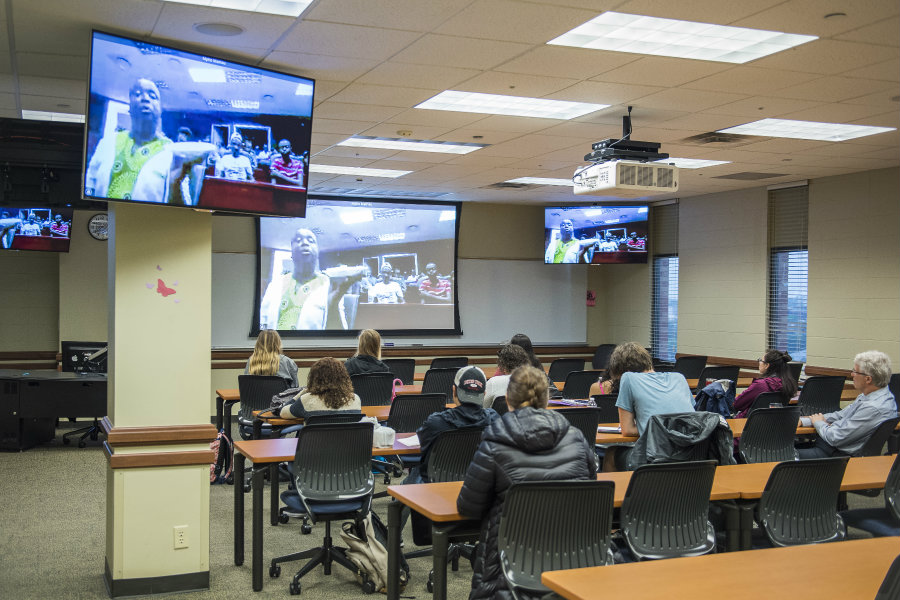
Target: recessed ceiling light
640,34
361,141
806,130
518,106
447,215
43,115
289,8
338,170
207,74
541,181
356,215
217,29
692,163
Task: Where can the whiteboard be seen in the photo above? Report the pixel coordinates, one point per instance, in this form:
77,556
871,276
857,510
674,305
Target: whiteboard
497,298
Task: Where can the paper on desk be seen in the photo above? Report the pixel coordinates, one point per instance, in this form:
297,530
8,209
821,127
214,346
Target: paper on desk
603,429
412,440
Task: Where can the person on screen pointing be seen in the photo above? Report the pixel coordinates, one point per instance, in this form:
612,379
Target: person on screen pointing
306,298
566,249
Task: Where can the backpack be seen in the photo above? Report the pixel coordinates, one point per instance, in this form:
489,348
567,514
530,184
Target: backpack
220,469
366,542
279,399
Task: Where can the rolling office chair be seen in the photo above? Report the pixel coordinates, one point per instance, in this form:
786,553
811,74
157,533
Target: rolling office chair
821,394
769,435
373,389
690,366
585,419
561,367
499,404
578,384
601,356
256,394
606,404
890,587
765,400
403,369
710,374
449,362
885,521
333,482
407,414
439,381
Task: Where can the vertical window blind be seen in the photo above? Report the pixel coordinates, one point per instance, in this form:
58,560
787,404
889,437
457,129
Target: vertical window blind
788,270
664,305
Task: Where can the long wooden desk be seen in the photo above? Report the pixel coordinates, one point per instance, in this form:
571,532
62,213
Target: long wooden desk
836,571
265,455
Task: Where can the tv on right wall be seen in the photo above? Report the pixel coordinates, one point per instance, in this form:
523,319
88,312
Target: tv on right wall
595,234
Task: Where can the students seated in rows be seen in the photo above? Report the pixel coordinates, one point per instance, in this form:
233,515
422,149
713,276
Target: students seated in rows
622,360
527,443
267,358
509,358
644,394
523,341
846,431
368,355
328,389
776,377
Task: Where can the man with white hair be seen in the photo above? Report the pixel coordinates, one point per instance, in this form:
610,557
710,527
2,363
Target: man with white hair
846,431
235,166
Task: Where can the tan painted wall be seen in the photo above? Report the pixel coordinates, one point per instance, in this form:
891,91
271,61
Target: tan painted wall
83,288
29,300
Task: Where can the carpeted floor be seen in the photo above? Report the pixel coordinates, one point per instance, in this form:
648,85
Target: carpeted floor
53,535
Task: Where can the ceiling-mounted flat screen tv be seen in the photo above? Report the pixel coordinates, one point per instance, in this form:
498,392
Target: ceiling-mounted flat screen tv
166,126
595,234
35,228
355,264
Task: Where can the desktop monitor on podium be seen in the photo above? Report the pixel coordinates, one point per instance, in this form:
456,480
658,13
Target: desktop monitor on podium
84,357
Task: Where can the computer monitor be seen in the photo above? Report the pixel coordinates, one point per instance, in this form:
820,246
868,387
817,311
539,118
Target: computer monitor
79,357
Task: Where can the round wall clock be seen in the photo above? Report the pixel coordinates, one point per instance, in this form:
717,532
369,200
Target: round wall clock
98,227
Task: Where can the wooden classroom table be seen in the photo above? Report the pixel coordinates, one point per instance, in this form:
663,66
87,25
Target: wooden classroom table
736,425
265,455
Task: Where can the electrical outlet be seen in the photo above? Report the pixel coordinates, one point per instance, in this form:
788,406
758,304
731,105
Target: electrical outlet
181,536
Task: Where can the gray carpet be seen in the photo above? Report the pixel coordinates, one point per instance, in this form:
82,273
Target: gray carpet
53,541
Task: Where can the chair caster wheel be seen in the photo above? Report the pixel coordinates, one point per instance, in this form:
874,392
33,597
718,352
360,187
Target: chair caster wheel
275,571
429,586
82,444
306,529
283,518
66,441
368,586
246,488
230,480
295,589
387,479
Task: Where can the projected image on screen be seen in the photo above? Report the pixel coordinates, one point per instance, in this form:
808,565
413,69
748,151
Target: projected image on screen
171,127
595,234
351,265
35,228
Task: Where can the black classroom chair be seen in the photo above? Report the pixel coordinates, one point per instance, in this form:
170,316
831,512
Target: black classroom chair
883,521
499,404
710,374
403,369
440,381
585,419
769,435
256,394
606,404
578,384
821,394
690,366
449,362
766,400
373,389
561,367
601,356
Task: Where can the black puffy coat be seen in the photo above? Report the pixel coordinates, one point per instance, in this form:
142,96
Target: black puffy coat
528,444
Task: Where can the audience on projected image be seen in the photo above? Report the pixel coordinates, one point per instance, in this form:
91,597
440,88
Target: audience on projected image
434,288
235,165
284,167
387,290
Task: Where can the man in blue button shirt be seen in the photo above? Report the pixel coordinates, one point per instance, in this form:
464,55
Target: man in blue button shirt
846,431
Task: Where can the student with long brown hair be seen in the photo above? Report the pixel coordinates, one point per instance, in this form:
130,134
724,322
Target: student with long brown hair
328,389
368,355
775,377
267,358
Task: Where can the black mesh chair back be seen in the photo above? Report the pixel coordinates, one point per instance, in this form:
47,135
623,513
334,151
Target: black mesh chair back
585,419
890,587
710,374
765,400
799,504
451,452
606,404
440,381
892,489
690,366
332,461
875,444
537,534
821,394
601,356
665,510
403,369
894,386
334,417
409,411
449,362
561,367
373,389
578,383
796,368
769,435
499,404
256,394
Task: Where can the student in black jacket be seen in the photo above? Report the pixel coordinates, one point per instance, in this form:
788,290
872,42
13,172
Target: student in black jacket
527,443
368,355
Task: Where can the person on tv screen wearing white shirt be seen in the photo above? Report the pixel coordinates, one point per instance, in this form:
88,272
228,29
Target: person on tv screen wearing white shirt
235,166
386,291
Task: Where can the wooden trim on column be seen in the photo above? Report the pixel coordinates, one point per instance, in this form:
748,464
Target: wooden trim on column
157,459
165,435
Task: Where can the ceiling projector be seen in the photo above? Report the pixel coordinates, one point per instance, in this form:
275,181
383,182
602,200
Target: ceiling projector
625,168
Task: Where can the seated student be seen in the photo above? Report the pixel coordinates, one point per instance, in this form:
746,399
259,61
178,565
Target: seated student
328,389
469,386
528,443
368,355
624,359
846,431
509,358
522,340
642,395
776,377
267,358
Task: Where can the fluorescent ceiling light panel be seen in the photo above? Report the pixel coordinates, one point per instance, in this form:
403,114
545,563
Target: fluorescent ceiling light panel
206,75
289,8
447,215
357,215
806,130
42,115
517,106
303,89
639,34
692,163
361,141
361,171
541,181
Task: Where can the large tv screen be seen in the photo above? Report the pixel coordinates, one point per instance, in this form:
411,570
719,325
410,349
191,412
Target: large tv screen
354,264
595,234
165,126
35,228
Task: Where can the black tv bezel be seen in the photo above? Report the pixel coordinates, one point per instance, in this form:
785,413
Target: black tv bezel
645,255
84,156
346,333
53,209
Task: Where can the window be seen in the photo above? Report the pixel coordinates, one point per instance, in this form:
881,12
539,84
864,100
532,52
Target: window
788,270
664,309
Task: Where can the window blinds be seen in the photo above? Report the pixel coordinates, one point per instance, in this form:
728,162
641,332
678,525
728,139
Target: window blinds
788,270
664,273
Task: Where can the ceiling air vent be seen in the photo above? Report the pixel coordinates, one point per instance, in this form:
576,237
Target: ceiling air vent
749,176
506,185
719,139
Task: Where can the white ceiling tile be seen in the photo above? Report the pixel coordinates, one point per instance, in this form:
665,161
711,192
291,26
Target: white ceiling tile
515,84
467,134
480,162
404,97
8,101
426,76
326,89
319,66
399,165
46,86
355,112
685,99
437,118
63,66
5,63
745,79
887,71
425,157
808,16
514,124
562,61
176,22
345,127
828,57
780,145
326,139
882,32
349,41
662,71
703,11
700,121
53,104
417,132
368,154
514,21
604,93
835,89
834,113
462,52
762,107
412,15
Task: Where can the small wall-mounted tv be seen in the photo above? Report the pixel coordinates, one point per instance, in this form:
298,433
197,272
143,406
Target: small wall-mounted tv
357,263
166,126
35,228
595,234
